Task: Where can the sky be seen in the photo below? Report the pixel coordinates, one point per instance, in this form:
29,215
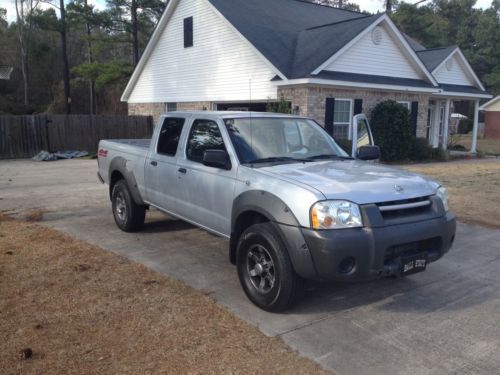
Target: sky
369,5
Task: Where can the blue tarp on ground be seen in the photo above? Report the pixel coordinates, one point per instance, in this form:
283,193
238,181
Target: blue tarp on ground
47,156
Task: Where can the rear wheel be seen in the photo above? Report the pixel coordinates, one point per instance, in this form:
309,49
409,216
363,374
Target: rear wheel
265,270
129,216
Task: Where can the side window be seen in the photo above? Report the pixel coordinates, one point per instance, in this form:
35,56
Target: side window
170,133
363,134
204,135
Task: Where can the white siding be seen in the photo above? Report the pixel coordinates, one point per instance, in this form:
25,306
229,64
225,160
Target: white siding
455,76
219,67
384,59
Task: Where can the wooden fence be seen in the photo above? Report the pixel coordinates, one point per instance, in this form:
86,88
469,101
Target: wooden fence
25,136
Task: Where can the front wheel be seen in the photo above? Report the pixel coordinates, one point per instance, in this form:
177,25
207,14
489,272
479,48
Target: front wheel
129,216
265,270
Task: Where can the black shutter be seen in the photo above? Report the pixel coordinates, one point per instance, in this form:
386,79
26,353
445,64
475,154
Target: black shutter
188,32
358,106
413,117
329,109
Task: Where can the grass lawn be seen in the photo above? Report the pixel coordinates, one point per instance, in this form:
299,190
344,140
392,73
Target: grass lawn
81,309
474,188
487,146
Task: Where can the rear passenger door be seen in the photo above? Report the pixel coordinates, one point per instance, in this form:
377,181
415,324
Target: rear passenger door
161,166
206,192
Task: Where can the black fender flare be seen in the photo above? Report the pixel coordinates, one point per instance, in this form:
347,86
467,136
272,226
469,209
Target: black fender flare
119,164
281,216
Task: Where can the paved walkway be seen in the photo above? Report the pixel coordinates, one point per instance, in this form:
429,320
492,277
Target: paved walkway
442,321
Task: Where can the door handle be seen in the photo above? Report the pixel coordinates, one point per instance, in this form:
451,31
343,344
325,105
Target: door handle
153,163
182,170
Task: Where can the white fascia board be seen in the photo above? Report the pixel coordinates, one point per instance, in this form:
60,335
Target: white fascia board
463,95
470,71
149,48
360,85
396,32
487,104
252,47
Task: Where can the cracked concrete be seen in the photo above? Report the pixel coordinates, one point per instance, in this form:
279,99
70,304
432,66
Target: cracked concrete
442,321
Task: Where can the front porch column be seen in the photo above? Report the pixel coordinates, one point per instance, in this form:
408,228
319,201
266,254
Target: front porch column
473,148
435,125
446,124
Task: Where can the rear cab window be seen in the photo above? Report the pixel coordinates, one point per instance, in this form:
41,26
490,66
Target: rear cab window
170,133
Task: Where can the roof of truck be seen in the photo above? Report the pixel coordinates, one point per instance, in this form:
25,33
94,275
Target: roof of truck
226,114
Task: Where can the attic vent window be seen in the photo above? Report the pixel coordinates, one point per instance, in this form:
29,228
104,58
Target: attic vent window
377,36
449,65
188,32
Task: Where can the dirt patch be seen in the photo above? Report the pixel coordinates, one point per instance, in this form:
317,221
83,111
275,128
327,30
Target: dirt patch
474,189
69,307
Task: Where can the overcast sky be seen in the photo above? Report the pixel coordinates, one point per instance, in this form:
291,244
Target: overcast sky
369,5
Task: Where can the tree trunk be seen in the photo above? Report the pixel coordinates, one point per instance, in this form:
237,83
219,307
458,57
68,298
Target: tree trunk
90,61
388,6
23,52
135,38
67,95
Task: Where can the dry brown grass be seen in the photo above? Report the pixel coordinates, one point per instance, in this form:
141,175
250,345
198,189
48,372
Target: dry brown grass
487,146
474,189
81,309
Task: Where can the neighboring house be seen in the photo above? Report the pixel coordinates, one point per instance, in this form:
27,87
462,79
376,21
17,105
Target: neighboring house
328,62
492,118
5,72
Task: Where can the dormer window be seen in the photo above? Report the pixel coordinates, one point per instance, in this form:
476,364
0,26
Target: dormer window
188,32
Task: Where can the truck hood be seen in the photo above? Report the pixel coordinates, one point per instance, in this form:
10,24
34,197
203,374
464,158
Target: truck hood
357,181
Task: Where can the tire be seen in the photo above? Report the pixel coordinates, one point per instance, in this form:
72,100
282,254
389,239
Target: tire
265,270
129,216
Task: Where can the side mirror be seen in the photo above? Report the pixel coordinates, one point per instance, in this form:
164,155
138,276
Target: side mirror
217,159
368,152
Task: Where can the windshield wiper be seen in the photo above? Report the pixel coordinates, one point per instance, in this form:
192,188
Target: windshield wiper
329,156
277,159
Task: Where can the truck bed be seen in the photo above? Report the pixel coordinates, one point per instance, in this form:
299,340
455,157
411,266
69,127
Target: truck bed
140,143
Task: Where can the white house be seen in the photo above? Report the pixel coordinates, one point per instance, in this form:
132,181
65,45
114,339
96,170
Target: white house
329,63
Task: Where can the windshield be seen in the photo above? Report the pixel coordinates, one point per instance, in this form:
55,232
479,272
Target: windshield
281,139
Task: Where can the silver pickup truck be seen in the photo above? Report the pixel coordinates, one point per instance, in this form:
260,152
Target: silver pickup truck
292,203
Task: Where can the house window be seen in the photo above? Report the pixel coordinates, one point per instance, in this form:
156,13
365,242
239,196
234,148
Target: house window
171,107
342,116
405,104
188,32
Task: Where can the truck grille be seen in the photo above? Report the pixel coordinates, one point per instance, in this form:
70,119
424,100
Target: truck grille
405,207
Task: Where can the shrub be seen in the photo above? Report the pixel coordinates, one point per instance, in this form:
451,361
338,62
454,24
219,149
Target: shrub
420,150
390,124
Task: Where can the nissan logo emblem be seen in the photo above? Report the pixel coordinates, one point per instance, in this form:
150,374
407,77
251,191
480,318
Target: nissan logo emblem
398,188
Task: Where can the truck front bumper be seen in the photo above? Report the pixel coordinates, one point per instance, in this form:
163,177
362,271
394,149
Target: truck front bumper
368,253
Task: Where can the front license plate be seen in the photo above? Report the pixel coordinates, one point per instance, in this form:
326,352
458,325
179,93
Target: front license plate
413,264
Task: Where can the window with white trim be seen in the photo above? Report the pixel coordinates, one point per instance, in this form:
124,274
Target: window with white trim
171,107
405,104
342,116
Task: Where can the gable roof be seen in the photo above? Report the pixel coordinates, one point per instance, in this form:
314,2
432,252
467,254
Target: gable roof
489,103
295,36
433,57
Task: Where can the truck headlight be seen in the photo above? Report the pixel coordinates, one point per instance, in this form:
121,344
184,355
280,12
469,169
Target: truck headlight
442,194
335,215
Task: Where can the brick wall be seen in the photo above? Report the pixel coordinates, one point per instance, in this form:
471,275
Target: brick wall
156,109
194,106
311,101
146,109
492,124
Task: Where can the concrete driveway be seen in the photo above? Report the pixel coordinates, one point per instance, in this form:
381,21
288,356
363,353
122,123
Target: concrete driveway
442,321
